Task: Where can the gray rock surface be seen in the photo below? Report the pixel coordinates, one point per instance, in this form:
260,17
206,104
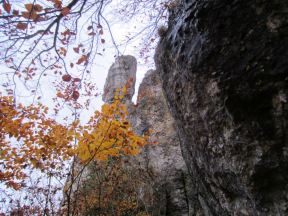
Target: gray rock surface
121,73
162,161
165,185
224,70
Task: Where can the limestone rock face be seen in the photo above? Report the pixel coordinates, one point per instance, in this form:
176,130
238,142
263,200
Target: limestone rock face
163,161
121,73
224,70
165,183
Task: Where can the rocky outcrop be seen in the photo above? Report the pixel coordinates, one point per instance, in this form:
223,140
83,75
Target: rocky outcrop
223,66
121,73
165,186
163,161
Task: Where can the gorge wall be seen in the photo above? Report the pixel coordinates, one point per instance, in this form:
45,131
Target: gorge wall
223,66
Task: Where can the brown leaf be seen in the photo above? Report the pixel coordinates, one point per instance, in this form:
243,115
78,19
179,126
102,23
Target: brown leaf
30,15
15,12
29,7
66,78
76,49
77,80
65,11
7,7
37,8
57,4
21,26
75,95
82,59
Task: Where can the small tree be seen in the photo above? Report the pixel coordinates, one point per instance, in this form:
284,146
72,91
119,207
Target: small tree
45,145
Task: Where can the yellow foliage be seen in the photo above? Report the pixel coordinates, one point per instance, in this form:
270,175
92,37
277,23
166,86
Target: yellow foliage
112,136
42,142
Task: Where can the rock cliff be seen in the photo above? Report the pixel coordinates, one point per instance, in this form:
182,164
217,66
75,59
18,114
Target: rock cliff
224,71
164,189
121,73
169,180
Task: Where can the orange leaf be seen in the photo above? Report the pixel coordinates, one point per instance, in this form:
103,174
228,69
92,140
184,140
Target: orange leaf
37,8
21,26
32,9
57,4
82,59
29,7
7,7
65,11
76,49
13,185
63,51
30,15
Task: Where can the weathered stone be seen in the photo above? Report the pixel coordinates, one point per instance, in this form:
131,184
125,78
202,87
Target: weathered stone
223,66
121,73
163,161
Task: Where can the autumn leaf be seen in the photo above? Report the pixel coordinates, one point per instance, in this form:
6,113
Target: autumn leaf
30,15
57,4
14,185
65,11
76,49
82,59
37,8
7,7
76,80
29,7
66,78
21,26
63,51
15,12
75,95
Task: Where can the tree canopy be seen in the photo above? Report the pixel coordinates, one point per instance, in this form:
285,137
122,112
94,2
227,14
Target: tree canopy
63,38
